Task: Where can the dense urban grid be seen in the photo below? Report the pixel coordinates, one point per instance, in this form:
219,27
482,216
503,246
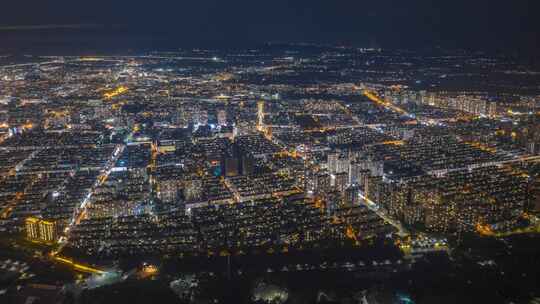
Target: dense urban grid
203,153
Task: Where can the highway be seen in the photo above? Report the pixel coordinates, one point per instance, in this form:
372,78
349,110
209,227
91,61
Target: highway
76,266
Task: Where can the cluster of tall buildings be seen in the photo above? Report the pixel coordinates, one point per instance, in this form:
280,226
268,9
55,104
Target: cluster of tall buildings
472,104
347,174
460,201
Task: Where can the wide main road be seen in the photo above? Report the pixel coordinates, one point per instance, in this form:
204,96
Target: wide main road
80,212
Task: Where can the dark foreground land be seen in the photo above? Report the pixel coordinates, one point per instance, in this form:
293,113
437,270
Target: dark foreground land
481,270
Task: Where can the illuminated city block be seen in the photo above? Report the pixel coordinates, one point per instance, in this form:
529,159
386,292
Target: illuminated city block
41,230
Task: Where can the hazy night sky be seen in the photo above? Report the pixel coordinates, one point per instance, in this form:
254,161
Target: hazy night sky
474,24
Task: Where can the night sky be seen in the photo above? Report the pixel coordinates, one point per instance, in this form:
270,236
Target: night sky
512,26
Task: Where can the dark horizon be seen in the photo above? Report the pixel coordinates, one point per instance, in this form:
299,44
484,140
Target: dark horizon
494,26
68,41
